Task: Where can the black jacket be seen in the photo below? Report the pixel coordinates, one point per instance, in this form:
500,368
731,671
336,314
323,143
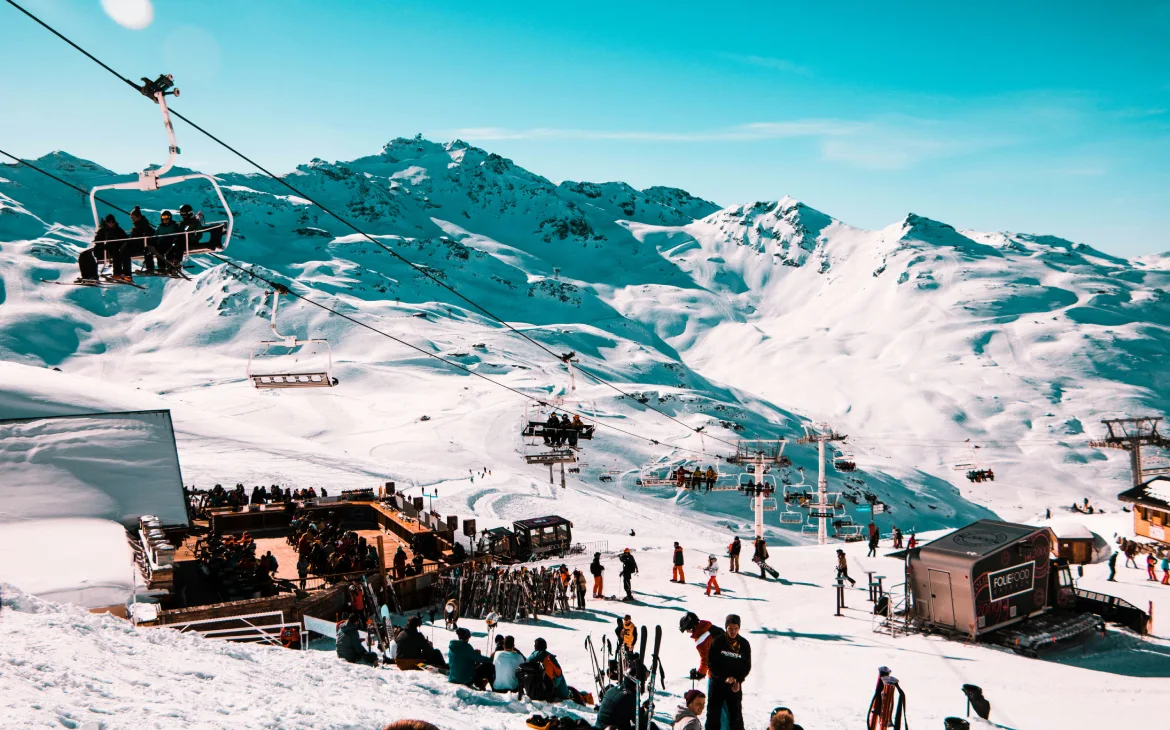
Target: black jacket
412,645
629,565
619,706
105,233
142,227
730,657
596,568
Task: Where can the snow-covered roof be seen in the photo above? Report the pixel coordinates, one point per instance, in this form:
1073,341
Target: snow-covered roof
1071,530
1154,493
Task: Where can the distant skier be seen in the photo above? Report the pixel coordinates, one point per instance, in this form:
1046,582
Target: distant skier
579,586
676,572
843,567
874,537
733,551
712,571
1131,549
596,569
897,539
1151,566
1165,569
913,542
629,568
1112,566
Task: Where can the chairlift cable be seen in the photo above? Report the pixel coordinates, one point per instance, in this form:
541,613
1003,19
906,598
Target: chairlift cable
283,289
351,226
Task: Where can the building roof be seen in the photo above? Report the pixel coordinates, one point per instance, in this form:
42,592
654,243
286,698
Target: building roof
1154,493
981,538
538,522
1071,530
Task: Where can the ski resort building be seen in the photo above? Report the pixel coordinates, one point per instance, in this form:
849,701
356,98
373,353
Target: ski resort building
981,577
1151,511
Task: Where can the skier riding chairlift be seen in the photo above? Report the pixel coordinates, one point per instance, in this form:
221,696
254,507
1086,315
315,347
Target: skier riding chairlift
149,180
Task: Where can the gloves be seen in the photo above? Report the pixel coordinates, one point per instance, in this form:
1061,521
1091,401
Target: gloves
696,674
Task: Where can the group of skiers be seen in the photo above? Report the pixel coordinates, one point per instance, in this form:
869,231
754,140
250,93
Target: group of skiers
1156,559
696,479
562,430
166,243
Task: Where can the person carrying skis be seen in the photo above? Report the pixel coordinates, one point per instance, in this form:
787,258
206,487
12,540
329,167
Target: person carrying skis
688,714
702,633
733,551
760,555
676,572
730,662
596,569
629,568
579,586
843,567
712,571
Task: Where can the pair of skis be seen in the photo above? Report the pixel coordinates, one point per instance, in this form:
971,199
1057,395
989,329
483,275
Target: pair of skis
104,282
647,682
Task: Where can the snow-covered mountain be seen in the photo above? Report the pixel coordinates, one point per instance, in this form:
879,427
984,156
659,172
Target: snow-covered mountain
749,320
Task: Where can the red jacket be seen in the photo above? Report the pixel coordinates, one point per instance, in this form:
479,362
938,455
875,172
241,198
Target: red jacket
703,637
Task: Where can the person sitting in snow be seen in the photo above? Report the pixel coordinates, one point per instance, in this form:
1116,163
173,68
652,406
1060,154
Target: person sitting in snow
552,668
465,665
350,646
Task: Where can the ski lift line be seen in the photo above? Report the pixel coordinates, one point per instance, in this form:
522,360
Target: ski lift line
347,223
285,290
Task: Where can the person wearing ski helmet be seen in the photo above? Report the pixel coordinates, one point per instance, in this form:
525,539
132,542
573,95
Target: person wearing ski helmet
702,633
629,568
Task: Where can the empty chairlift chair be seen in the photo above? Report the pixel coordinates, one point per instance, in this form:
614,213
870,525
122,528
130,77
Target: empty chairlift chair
289,362
791,516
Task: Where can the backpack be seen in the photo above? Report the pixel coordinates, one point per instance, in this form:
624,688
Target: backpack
534,681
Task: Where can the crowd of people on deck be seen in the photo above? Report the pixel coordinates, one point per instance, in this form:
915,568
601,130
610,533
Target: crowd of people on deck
232,567
162,246
239,497
325,548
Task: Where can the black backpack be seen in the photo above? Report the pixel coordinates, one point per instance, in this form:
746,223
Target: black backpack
534,681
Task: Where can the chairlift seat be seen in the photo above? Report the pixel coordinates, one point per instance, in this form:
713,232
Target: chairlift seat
791,517
770,504
538,429
294,380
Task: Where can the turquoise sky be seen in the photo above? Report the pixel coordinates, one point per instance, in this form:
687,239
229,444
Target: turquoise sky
1043,117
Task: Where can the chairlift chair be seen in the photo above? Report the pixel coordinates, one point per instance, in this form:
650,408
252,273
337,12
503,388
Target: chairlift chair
265,361
810,526
770,504
220,232
791,516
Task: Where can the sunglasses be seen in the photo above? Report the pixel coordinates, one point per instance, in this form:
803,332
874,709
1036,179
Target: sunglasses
166,217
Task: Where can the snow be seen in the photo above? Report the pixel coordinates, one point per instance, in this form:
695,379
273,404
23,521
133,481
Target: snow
118,466
74,560
918,340
1159,488
1070,530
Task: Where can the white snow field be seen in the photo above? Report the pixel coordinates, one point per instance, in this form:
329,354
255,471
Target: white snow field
750,321
62,667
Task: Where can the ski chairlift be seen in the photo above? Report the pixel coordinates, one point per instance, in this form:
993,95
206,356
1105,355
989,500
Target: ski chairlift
845,520
657,475
219,232
981,475
790,516
726,483
845,464
747,483
848,533
770,504
809,527
267,366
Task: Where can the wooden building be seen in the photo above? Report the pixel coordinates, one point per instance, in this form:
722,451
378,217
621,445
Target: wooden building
1151,508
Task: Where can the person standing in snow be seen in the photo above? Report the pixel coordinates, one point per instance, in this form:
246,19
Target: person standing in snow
627,633
676,572
1165,569
760,555
579,586
702,633
712,571
596,569
1151,566
629,568
913,542
1112,566
874,536
897,539
843,567
1131,548
730,662
733,551
687,716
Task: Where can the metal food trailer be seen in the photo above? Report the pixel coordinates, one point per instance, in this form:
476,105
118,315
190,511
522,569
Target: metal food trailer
981,577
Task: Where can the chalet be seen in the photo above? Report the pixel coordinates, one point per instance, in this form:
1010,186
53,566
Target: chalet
1151,511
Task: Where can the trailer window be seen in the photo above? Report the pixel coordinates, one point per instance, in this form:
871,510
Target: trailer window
1064,578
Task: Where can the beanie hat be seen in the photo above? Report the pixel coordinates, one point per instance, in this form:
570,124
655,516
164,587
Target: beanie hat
732,618
690,695
462,633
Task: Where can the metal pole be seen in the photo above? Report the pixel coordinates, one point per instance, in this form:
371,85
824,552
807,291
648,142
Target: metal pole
562,475
758,469
822,492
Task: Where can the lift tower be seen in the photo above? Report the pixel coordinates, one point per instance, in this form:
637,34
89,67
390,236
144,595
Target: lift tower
822,508
1131,434
763,455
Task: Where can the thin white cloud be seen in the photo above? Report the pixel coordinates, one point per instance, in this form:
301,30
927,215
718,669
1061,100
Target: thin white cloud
770,62
743,132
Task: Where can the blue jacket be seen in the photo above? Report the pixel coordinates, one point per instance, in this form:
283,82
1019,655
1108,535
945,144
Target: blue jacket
462,659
